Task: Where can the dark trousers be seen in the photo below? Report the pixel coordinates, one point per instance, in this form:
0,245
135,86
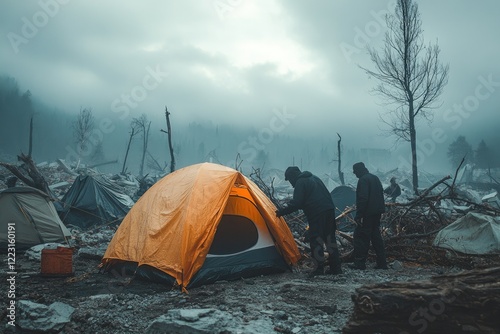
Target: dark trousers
322,235
368,232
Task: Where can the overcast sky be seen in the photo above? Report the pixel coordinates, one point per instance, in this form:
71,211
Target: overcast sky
244,62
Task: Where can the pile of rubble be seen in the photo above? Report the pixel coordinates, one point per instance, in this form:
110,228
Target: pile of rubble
60,176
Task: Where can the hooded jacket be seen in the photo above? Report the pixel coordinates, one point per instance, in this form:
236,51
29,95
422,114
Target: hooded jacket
310,195
369,194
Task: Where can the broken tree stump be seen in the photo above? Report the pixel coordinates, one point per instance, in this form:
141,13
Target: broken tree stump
33,178
467,302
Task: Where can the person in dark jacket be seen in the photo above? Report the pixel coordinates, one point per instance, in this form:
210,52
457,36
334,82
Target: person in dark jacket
370,205
311,196
393,190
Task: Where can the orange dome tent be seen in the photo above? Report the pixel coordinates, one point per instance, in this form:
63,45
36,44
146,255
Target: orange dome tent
200,224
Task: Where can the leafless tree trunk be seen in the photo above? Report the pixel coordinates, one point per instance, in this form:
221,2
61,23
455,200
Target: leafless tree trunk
339,153
133,132
83,127
144,126
170,146
411,77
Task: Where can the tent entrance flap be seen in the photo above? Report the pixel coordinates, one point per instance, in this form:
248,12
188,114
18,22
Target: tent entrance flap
234,234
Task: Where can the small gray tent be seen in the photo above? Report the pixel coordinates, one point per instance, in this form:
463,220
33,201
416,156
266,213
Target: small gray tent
32,219
474,233
93,200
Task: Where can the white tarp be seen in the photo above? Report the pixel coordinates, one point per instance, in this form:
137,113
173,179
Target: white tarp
474,233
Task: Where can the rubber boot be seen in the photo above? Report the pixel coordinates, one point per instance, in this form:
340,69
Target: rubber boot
358,264
334,262
320,270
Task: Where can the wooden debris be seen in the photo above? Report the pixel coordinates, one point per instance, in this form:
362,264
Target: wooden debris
28,173
458,303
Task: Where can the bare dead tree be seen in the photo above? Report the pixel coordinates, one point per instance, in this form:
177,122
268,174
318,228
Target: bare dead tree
256,177
411,77
169,135
83,127
238,162
28,173
143,125
339,161
134,129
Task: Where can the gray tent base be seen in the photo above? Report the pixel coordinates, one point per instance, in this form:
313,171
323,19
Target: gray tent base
263,261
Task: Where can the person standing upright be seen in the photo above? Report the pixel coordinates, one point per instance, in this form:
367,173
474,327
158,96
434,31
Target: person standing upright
370,205
310,195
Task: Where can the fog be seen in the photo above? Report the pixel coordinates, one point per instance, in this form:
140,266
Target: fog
272,81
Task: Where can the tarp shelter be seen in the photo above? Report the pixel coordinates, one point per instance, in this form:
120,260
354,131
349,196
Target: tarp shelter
343,197
200,224
473,233
32,219
93,200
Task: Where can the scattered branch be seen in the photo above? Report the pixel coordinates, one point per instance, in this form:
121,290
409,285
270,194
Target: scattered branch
33,178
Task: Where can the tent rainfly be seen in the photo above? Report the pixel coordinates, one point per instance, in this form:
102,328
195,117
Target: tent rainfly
93,200
30,216
200,224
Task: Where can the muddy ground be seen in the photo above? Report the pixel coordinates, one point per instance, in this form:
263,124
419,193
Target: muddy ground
282,303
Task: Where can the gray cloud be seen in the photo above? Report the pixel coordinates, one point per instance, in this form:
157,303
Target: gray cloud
236,67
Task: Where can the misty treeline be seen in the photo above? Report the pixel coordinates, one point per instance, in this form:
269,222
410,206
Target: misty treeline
482,156
55,137
16,109
66,134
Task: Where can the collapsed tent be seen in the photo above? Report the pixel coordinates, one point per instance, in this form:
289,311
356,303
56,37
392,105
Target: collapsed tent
28,218
93,200
473,233
200,224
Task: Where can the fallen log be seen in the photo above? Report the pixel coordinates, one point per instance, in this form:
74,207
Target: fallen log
458,303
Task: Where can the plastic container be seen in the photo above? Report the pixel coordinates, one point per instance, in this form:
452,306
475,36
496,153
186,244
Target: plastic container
57,262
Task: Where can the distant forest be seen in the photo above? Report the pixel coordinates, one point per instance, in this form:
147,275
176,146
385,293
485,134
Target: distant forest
54,137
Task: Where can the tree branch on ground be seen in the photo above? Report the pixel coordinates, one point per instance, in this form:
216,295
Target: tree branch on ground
28,173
